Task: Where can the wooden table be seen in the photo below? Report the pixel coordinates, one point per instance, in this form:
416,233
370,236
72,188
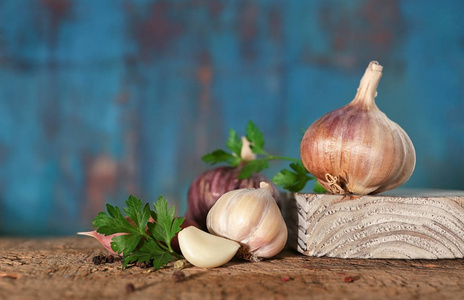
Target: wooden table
62,268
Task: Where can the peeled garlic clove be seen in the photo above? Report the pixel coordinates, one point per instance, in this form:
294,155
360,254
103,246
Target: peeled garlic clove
357,148
252,218
205,250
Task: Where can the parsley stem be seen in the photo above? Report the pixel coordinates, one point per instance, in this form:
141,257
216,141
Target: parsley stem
178,256
169,249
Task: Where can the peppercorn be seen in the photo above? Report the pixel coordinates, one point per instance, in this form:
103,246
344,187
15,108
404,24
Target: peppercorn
145,264
178,276
97,260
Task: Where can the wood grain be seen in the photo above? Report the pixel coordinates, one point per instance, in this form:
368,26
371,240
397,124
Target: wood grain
384,226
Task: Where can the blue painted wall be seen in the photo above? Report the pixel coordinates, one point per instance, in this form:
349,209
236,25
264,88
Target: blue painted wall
101,99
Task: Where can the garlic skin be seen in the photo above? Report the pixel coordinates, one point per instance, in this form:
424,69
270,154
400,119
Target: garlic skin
252,218
104,240
205,250
357,148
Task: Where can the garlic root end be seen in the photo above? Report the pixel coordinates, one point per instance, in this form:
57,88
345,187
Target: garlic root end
244,253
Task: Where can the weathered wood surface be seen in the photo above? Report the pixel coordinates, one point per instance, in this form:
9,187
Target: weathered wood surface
429,225
62,268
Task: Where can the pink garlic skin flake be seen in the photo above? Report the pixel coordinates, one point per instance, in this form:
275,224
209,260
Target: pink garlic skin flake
105,240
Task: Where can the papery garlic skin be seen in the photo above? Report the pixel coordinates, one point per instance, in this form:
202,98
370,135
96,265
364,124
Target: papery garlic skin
357,148
205,250
252,218
104,240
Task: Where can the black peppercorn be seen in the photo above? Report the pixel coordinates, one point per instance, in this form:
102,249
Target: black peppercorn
178,276
97,260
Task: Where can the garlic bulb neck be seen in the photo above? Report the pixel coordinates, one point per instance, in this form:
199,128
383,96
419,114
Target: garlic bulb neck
246,153
367,91
267,186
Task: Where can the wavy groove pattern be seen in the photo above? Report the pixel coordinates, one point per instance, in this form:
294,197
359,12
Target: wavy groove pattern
380,226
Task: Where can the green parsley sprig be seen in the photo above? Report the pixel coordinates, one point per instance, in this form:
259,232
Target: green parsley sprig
142,241
293,179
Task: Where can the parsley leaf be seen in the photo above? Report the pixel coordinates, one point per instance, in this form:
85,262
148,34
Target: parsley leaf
293,180
135,211
149,251
251,167
135,242
218,156
125,243
165,226
114,221
234,143
255,137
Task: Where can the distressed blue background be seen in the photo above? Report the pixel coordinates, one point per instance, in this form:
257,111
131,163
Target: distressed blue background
100,99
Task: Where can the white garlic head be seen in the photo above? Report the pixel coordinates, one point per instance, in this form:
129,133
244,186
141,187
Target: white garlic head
252,218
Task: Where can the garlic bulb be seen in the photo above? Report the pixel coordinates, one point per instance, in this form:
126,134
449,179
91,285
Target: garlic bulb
252,218
356,148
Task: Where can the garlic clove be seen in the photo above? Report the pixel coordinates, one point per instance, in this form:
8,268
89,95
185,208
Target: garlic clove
244,213
205,250
267,233
274,246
